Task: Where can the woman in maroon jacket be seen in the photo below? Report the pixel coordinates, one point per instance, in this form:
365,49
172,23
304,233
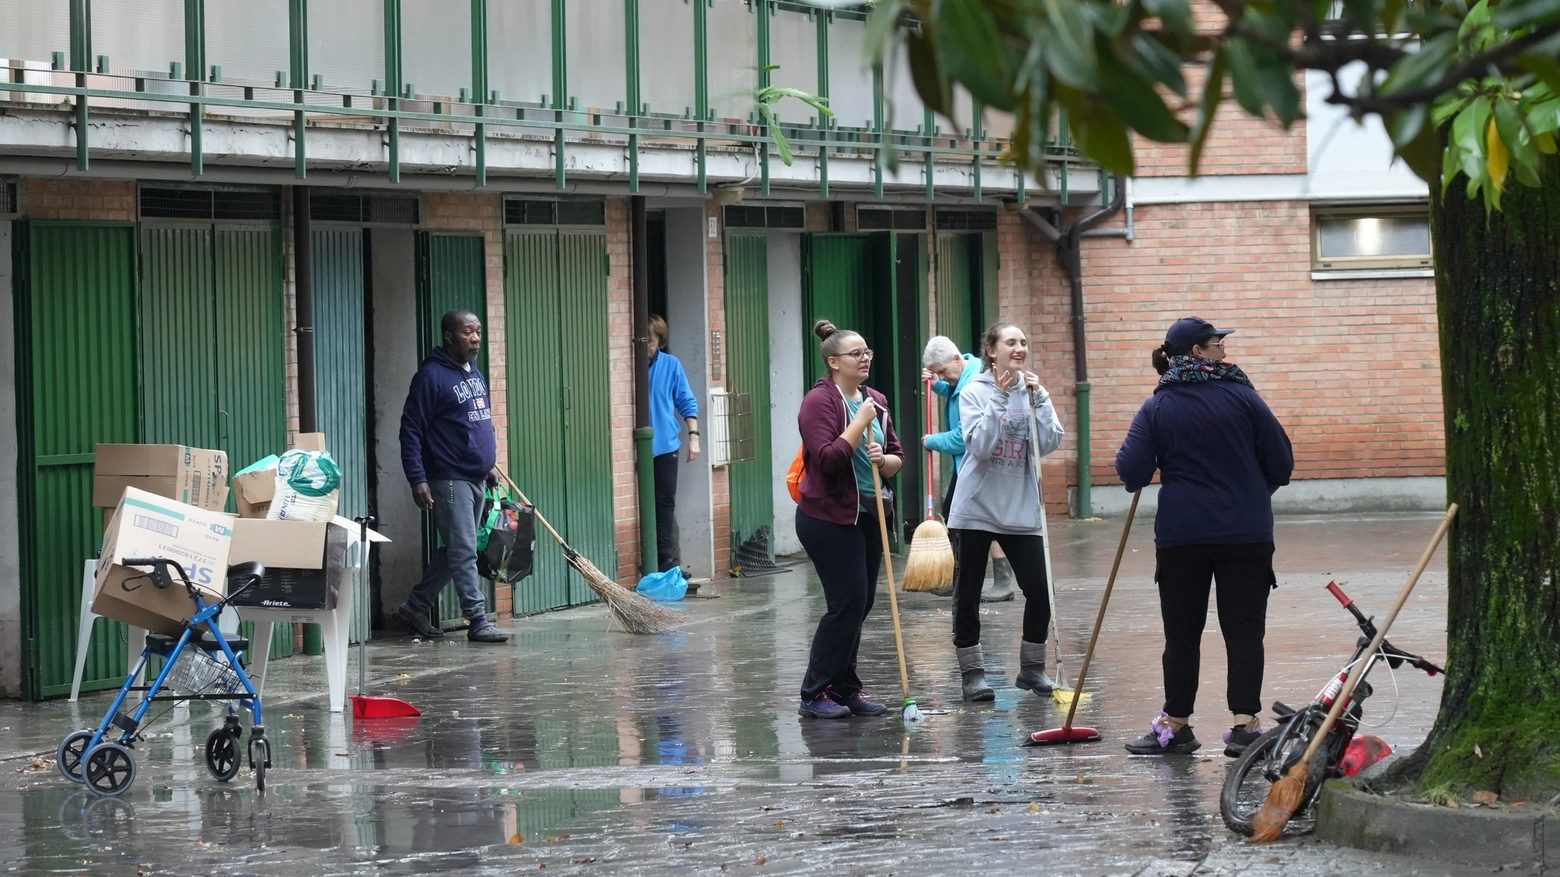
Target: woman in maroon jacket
846,430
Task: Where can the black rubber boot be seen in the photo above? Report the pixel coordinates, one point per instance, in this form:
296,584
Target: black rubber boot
972,669
1031,669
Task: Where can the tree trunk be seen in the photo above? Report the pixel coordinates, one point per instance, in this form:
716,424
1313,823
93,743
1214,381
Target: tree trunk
1498,289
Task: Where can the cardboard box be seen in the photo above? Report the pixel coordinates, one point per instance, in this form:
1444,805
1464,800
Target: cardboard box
309,441
148,525
193,476
305,562
253,492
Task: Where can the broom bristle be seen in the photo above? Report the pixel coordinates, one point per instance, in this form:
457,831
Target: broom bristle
636,613
1065,696
1282,801
930,565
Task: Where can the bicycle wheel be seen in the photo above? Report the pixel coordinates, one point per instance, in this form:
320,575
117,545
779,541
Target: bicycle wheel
222,755
1263,763
68,757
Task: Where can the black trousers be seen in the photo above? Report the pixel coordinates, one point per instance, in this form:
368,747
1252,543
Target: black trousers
1027,555
666,511
1244,573
847,558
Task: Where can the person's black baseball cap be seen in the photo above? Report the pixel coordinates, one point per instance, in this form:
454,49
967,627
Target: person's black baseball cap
1187,331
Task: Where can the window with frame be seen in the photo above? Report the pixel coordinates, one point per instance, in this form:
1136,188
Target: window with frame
1370,238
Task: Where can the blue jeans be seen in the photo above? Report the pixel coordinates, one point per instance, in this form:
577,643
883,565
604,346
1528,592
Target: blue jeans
457,506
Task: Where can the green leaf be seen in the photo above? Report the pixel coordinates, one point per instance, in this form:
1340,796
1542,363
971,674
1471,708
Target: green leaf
1478,16
1102,137
782,145
1509,122
1212,96
1422,151
931,83
1133,99
1159,62
881,25
1068,41
1364,15
1176,15
1428,64
1277,84
1518,14
1406,126
1544,67
971,51
1243,76
1108,19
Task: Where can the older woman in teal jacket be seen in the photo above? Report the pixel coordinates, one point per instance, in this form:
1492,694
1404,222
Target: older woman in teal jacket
951,371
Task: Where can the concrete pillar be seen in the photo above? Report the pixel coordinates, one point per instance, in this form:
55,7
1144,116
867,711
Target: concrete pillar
10,547
394,273
791,342
687,320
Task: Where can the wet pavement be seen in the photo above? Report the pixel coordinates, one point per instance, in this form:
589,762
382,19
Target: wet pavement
584,749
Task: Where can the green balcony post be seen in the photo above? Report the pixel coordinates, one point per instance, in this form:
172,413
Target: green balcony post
394,85
977,134
763,9
632,103
560,86
298,77
930,127
823,92
701,85
81,62
877,126
195,63
479,82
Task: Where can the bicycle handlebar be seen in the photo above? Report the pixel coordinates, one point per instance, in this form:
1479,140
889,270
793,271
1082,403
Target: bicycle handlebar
1393,654
1332,588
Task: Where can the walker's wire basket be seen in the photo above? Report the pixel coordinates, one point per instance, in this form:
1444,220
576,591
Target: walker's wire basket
197,672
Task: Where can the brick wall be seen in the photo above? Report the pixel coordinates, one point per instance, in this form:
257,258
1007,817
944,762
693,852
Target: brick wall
463,211
1351,368
620,334
99,200
715,295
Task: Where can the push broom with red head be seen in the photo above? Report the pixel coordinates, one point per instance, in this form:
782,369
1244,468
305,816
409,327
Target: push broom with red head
1067,733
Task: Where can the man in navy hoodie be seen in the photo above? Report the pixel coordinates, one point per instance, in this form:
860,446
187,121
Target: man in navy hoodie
449,449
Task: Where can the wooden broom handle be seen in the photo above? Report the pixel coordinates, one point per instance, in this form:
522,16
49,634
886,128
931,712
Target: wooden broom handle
1375,643
888,566
516,488
1099,620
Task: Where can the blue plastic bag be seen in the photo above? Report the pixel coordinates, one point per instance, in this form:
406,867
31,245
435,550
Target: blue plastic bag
664,587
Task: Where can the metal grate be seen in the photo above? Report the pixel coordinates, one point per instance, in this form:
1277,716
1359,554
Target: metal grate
966,220
753,556
365,208
211,204
763,216
884,218
7,197
741,431
555,211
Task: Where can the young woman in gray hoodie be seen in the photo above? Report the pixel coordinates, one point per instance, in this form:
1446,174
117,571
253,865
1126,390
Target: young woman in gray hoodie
998,500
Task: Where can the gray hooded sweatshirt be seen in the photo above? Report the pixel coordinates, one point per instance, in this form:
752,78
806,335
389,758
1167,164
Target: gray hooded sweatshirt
997,490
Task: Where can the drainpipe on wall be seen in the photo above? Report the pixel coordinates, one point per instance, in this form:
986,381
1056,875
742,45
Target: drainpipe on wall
1069,255
644,433
303,291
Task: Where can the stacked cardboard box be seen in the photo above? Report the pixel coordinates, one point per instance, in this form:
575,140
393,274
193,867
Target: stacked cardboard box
146,525
193,476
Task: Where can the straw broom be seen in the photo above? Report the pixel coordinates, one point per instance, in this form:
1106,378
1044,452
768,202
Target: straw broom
930,564
1284,798
636,613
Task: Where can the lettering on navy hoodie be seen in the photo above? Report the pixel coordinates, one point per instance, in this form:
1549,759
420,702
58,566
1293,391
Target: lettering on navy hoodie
447,424
997,491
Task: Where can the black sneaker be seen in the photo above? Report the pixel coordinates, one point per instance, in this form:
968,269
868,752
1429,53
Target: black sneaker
823,707
1180,743
417,623
861,706
1238,738
487,633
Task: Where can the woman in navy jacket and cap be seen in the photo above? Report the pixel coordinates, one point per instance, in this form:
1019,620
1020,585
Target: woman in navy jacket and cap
846,430
1220,454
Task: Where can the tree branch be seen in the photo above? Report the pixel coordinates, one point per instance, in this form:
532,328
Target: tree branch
1472,67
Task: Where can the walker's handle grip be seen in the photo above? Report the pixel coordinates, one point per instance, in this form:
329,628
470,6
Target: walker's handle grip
1332,588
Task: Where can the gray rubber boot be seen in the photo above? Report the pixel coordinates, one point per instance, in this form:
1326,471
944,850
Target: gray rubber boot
1000,587
1031,669
972,668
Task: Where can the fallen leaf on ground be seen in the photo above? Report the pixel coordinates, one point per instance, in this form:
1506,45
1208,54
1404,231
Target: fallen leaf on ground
586,861
1452,803
557,837
1485,797
995,810
780,824
1033,807
761,860
517,839
1477,751
1518,803
403,675
767,809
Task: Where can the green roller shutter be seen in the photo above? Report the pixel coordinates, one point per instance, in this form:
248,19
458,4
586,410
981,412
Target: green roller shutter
534,356
747,332
73,392
340,381
958,314
559,402
838,287
587,425
451,273
178,356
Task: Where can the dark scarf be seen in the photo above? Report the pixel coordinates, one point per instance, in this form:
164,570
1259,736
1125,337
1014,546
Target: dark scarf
1188,369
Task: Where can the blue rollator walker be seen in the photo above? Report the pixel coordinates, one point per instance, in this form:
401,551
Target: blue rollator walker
193,666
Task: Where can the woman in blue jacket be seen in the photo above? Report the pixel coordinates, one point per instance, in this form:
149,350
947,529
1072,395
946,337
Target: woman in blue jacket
1220,454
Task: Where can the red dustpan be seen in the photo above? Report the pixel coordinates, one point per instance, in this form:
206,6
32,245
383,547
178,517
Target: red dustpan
363,705
1067,733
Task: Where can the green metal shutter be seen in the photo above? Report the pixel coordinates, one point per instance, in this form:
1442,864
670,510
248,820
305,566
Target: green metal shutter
587,427
71,397
178,352
990,299
451,273
747,333
341,393
534,357
838,288
956,316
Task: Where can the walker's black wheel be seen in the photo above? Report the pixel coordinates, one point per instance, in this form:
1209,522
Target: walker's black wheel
68,758
109,769
222,755
259,759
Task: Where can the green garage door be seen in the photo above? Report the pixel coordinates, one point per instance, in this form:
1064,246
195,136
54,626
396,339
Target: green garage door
559,403
747,331
451,273
76,387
